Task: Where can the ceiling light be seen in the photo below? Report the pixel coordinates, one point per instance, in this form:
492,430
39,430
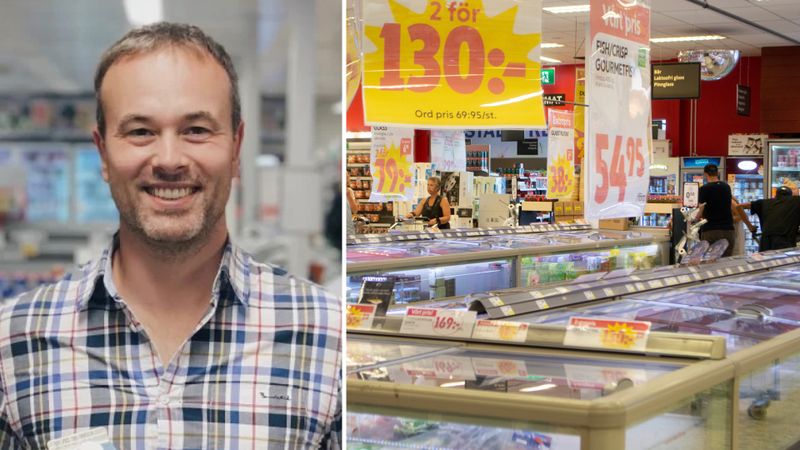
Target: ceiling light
710,37
567,9
453,384
144,12
551,45
550,60
541,387
747,165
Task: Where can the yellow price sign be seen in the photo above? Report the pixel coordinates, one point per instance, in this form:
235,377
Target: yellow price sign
456,64
391,164
560,154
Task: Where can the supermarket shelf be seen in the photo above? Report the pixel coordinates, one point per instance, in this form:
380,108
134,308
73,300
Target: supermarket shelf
786,169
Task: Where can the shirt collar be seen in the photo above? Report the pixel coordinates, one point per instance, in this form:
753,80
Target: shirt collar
233,274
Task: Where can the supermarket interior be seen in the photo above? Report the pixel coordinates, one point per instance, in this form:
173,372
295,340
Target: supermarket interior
571,302
56,210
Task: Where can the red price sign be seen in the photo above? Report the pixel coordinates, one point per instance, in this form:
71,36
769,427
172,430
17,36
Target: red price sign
625,162
459,64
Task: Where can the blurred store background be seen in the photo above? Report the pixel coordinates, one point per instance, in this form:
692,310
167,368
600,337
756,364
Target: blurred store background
55,209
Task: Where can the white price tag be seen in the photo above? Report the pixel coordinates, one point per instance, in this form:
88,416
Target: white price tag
639,286
542,304
499,330
507,310
684,278
360,316
562,290
438,322
655,284
589,295
609,292
496,301
490,367
607,333
536,294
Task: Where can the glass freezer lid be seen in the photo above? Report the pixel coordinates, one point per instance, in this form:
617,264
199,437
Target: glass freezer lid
363,351
665,318
399,250
552,376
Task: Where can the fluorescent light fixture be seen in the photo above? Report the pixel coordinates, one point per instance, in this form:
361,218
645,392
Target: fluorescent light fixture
551,45
567,9
144,12
707,37
453,384
658,166
550,60
747,165
541,387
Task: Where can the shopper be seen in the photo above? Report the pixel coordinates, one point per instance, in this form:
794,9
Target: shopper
352,207
435,207
740,221
715,206
779,217
173,337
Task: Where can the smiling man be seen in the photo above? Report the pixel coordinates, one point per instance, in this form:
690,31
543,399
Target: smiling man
173,337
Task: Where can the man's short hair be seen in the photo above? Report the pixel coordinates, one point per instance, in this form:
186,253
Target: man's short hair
783,191
154,37
711,170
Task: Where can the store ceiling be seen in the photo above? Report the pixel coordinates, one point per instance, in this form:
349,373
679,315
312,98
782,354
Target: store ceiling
54,45
682,18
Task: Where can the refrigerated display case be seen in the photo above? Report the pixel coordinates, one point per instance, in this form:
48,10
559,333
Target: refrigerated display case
746,179
692,169
545,394
444,267
783,156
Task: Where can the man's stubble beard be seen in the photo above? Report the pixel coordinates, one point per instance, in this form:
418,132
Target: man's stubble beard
162,241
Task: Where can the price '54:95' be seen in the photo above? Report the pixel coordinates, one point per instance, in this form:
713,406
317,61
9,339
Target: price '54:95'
617,176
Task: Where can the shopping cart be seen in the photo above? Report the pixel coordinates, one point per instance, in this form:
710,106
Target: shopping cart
413,224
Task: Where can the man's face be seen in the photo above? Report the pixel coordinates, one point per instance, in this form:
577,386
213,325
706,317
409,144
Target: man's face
169,151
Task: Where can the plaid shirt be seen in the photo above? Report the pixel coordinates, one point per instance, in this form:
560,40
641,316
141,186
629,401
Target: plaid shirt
262,370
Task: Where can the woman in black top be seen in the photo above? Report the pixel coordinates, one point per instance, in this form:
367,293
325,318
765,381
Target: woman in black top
436,207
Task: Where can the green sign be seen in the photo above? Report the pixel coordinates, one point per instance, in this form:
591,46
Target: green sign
548,76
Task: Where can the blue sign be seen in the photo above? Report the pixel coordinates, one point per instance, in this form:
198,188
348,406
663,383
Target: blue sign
699,163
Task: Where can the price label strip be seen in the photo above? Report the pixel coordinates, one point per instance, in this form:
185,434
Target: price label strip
607,334
438,322
360,316
453,64
499,330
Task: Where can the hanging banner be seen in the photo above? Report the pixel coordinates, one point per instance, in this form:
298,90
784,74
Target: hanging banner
560,155
580,112
448,64
618,93
391,163
448,150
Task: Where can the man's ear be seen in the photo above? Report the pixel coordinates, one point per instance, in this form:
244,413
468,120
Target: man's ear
238,136
101,147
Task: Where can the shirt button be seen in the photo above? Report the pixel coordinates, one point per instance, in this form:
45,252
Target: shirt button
163,400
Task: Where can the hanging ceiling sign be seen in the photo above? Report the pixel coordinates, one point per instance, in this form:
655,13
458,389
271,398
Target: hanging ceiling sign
618,92
449,64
